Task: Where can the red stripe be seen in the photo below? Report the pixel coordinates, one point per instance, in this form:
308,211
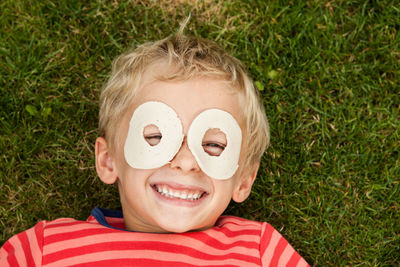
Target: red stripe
206,239
231,233
12,260
280,247
76,234
266,238
114,219
23,238
224,219
294,260
138,263
147,245
39,234
119,225
59,223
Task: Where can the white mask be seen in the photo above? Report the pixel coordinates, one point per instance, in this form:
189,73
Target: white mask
140,154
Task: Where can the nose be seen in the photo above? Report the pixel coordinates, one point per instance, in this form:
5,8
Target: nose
184,159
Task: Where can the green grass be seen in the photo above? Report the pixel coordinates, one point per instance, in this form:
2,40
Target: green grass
329,70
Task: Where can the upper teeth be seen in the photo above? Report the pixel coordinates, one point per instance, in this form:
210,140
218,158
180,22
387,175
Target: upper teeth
182,194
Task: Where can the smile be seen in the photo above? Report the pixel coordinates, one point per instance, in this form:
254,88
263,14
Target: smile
183,194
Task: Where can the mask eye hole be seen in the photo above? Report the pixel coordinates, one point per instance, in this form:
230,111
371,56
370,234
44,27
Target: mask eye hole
152,134
214,142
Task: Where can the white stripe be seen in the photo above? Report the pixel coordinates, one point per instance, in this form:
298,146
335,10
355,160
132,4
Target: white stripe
286,254
269,251
18,251
302,263
36,253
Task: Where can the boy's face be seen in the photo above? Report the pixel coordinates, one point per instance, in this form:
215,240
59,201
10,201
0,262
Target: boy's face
144,208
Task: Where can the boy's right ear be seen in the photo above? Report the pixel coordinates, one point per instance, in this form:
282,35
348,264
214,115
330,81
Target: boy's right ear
104,164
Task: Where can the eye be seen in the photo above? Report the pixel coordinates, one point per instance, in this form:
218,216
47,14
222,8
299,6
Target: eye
153,139
214,142
213,149
152,135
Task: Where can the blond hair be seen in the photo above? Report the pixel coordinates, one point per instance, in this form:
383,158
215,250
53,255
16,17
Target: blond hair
189,57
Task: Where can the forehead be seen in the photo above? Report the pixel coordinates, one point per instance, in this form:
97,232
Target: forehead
188,97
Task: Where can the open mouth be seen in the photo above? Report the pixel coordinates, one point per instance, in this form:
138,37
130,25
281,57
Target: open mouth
179,194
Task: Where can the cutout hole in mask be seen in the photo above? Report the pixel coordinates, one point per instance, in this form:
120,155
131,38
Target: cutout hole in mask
214,142
152,134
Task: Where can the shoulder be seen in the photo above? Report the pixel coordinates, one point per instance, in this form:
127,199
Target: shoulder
65,226
235,228
274,249
225,220
37,232
26,248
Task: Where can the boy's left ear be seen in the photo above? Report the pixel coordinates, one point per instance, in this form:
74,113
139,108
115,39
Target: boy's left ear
245,183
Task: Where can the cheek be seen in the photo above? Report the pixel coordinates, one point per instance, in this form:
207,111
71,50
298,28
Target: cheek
223,189
132,177
133,185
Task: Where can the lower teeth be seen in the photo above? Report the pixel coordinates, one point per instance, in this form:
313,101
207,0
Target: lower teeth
171,196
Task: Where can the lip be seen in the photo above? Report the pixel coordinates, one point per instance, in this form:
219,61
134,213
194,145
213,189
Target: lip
179,201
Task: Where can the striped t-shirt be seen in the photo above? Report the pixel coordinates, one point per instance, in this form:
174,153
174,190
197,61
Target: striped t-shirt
102,241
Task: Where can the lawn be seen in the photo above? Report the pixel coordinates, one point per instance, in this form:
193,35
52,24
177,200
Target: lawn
329,74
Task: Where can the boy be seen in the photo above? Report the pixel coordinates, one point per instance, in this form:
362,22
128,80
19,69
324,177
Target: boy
182,131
